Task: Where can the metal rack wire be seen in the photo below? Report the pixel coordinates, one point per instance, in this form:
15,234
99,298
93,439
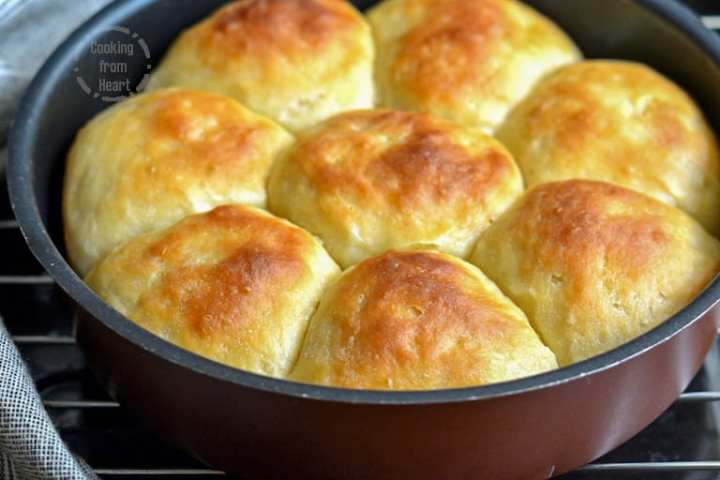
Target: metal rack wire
98,429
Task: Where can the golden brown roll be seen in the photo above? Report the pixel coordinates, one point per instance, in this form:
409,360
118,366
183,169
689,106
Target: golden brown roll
623,123
465,60
296,61
369,181
149,161
416,320
594,265
235,285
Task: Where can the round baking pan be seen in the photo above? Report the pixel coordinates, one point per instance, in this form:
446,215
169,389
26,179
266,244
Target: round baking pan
261,427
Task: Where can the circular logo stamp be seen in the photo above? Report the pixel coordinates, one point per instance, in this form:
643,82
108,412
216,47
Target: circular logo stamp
115,67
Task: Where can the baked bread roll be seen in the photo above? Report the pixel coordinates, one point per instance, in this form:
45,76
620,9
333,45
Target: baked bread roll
623,123
417,320
595,265
151,160
369,181
296,61
469,61
235,285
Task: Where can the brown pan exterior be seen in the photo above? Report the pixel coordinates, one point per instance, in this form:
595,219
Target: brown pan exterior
532,435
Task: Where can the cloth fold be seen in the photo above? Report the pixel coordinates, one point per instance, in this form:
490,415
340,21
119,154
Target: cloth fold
30,447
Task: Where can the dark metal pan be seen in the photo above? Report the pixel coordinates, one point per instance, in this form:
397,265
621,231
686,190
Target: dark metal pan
267,428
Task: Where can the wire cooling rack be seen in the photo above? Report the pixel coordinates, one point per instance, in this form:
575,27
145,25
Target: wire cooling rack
684,443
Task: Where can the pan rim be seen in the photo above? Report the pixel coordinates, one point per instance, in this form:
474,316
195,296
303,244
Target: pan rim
25,208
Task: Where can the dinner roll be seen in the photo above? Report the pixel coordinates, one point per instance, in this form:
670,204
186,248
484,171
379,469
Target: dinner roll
465,60
369,181
296,61
235,285
594,265
416,320
149,161
623,123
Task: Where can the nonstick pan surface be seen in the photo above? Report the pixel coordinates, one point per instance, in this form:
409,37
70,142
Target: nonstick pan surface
268,428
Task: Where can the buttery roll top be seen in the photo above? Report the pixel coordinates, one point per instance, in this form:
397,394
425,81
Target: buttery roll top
465,60
623,123
296,61
595,265
416,320
153,159
235,285
369,181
